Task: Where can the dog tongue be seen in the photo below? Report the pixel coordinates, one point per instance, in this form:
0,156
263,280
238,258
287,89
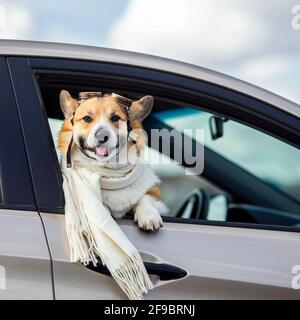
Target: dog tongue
102,151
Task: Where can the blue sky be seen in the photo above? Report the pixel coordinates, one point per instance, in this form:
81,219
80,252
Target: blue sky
251,40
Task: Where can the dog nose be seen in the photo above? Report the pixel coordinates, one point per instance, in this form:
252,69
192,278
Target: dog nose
102,135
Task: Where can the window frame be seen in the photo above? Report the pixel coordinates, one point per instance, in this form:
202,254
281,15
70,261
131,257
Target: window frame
16,189
234,104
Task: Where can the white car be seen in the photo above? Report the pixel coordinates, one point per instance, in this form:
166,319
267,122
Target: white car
232,231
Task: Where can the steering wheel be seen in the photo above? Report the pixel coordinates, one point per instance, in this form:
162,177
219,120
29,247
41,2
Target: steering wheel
195,206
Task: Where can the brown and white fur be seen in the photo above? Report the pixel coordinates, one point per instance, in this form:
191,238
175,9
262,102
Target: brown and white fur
100,127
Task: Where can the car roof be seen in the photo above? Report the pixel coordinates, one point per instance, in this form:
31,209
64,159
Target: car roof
71,51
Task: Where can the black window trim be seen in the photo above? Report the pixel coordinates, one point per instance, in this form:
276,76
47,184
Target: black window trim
16,191
286,123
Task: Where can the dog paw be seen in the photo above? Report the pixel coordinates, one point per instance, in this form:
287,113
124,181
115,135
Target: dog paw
149,222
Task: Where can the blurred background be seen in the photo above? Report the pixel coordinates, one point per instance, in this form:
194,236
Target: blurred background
252,40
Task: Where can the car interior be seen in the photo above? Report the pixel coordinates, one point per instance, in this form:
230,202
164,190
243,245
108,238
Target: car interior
225,191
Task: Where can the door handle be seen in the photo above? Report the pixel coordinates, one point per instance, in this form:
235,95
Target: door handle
163,270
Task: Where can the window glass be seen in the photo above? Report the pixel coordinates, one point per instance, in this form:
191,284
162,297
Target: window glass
55,126
269,159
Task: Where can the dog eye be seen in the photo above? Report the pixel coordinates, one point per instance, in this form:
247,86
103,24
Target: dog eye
87,119
115,118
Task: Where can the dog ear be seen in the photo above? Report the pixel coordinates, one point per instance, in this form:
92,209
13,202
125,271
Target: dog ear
140,109
67,104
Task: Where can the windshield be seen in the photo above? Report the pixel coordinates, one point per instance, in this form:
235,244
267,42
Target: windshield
267,158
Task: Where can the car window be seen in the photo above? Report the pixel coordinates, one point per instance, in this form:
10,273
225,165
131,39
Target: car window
171,174
199,196
273,161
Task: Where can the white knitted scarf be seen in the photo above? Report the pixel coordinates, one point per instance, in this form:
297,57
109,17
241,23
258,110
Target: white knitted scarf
90,228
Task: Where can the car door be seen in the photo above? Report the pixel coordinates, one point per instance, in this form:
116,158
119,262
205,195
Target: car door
220,263
186,259
25,266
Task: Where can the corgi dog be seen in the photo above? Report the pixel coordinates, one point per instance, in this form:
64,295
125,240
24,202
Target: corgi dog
98,126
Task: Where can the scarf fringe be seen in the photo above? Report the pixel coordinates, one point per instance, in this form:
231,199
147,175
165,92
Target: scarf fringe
132,277
79,248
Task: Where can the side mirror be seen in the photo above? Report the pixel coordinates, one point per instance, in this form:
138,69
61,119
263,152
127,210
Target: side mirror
216,126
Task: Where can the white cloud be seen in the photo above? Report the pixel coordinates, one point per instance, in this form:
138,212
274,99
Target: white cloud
265,66
190,30
2,17
252,41
55,32
275,72
18,23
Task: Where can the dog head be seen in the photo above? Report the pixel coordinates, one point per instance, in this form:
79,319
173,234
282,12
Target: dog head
99,124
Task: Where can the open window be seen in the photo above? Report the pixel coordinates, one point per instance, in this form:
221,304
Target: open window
169,171
243,173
